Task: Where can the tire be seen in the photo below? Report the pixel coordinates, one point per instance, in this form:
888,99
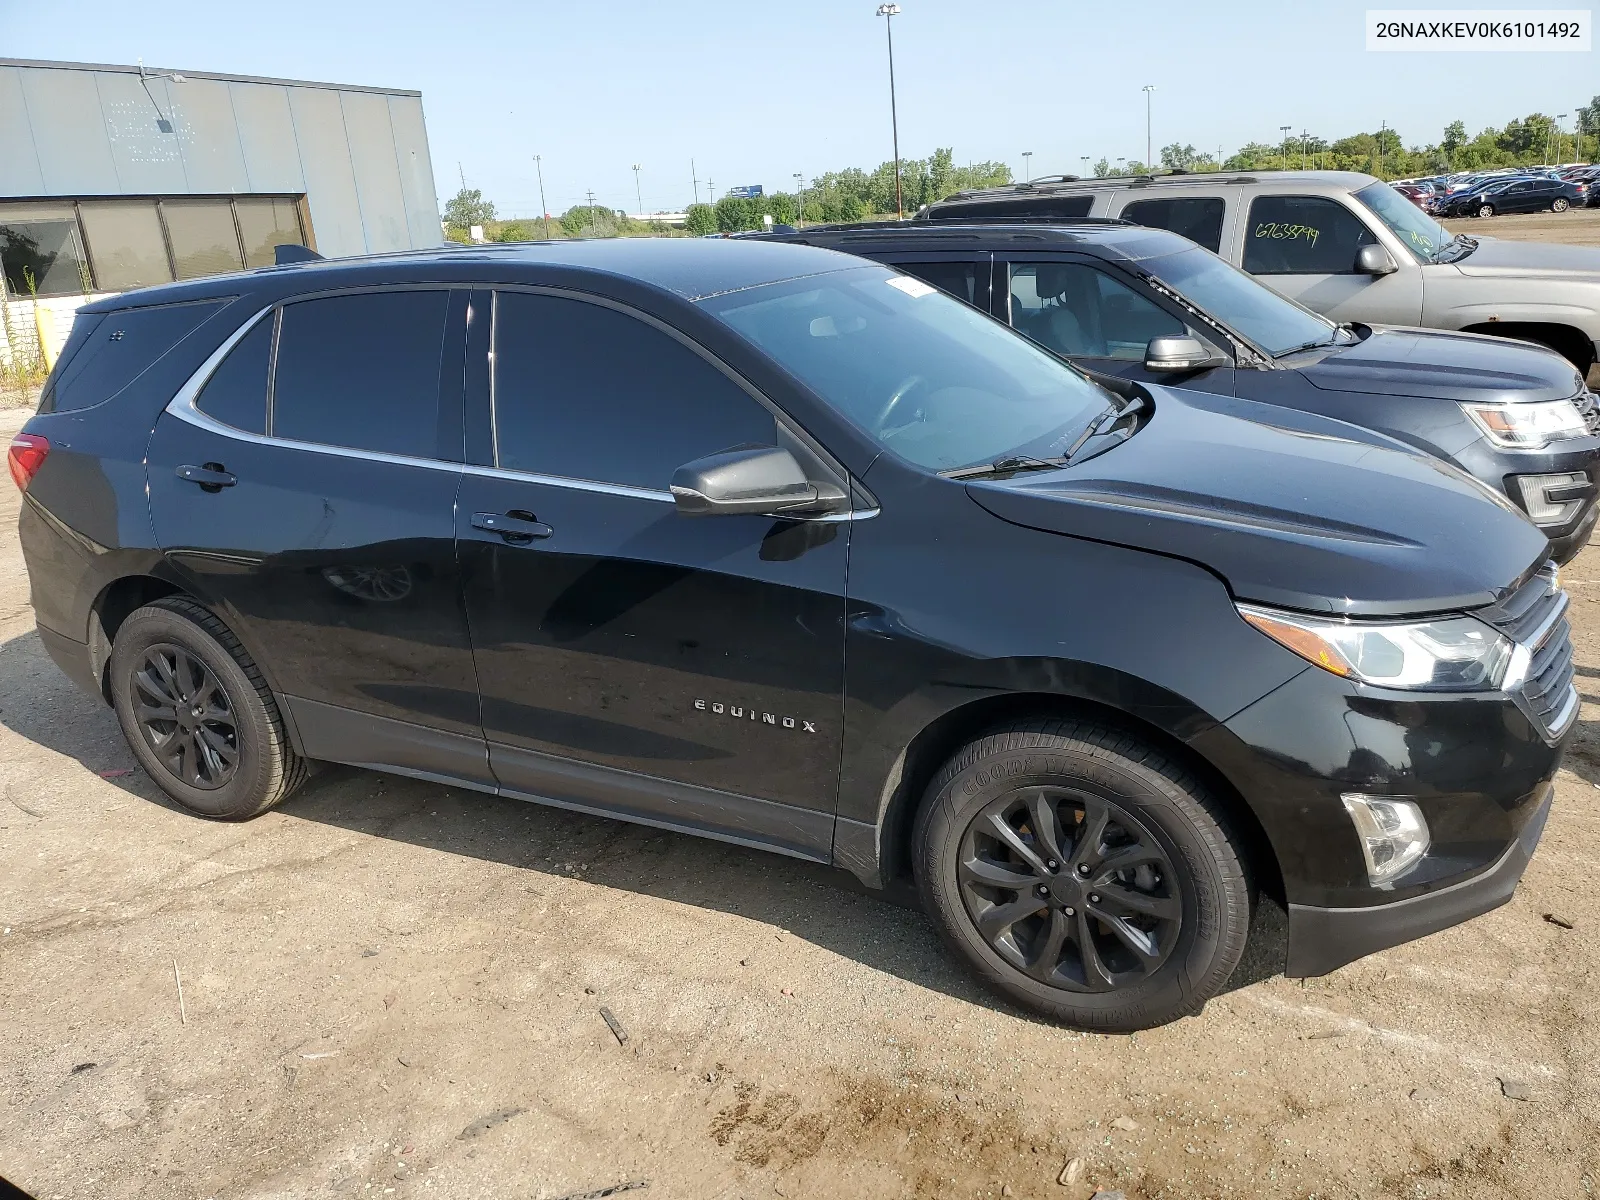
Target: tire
233,761
1486,210
1559,204
1180,861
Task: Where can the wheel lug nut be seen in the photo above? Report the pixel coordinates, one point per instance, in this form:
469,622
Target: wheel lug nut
1083,868
1093,899
1043,891
1052,865
1070,911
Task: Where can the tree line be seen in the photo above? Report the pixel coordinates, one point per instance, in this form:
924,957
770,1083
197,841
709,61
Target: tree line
854,194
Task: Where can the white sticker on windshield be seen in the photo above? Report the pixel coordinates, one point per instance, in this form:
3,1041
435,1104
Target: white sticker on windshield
914,288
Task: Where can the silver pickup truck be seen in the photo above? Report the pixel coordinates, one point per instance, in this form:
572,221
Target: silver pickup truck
1344,244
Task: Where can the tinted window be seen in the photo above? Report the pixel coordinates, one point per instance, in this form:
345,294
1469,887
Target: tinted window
119,346
362,371
125,243
937,382
204,240
40,242
959,279
1077,310
587,392
1302,235
236,393
1033,206
1236,301
1198,218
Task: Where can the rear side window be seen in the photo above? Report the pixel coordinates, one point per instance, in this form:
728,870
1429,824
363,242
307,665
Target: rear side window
586,392
1198,218
1032,206
236,393
116,349
964,280
1302,235
362,371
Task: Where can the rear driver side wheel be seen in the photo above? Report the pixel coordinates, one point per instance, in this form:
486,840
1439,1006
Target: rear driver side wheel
1082,874
197,713
1486,210
1559,204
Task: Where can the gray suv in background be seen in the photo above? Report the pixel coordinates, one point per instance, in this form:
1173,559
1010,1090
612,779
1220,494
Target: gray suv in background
1341,243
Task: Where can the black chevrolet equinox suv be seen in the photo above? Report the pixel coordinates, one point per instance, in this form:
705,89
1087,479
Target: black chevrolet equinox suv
769,544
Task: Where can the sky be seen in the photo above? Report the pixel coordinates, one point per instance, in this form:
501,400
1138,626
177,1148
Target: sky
752,93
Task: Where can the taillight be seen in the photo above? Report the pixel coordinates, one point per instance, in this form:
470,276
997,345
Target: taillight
28,451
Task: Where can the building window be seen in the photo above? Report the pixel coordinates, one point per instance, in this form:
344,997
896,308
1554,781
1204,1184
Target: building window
41,250
112,245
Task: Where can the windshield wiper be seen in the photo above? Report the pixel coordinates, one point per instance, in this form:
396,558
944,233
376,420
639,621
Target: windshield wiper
1002,466
1311,345
1136,404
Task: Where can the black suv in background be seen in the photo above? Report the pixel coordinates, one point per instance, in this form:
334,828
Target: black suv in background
1149,305
769,544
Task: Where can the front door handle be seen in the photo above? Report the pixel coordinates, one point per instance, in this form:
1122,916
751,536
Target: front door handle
518,528
212,477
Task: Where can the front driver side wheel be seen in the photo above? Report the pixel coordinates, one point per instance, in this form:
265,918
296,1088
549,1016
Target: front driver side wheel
1081,873
197,713
1486,210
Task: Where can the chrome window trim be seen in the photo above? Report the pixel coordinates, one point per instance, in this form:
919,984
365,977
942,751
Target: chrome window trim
182,406
586,485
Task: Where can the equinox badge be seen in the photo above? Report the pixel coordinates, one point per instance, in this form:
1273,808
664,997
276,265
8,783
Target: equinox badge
739,713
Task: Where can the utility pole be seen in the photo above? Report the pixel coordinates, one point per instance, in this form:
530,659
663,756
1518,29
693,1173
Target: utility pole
463,175
637,194
800,199
1149,150
711,190
696,180
1383,128
888,12
1303,132
590,195
544,209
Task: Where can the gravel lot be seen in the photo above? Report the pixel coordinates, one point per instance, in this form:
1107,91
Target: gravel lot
394,988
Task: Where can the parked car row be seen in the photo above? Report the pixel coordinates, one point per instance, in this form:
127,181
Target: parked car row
1053,563
1510,190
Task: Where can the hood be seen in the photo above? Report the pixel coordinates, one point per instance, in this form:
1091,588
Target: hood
1449,366
1299,520
1496,256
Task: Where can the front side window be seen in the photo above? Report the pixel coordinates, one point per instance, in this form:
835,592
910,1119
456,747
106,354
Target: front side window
1302,235
1252,310
939,383
1076,310
583,391
1198,218
1424,237
362,371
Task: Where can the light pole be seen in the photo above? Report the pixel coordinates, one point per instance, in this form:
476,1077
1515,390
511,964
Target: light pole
544,211
1027,165
889,12
1303,133
1084,159
1560,117
1284,147
637,194
799,199
1148,144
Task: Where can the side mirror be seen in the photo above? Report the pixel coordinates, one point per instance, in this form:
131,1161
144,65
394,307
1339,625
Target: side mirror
763,480
1179,354
1375,260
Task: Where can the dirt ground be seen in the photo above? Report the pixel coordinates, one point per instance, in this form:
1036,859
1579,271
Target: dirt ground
394,988
1579,226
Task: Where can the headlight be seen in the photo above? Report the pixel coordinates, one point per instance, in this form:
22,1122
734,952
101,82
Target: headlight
1528,426
1453,654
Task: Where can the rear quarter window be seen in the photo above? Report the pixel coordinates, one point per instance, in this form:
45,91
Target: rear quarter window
1198,218
116,348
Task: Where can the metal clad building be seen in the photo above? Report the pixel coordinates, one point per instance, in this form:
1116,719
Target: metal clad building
114,177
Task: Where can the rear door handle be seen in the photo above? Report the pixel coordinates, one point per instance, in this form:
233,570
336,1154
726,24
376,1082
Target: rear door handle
211,477
517,528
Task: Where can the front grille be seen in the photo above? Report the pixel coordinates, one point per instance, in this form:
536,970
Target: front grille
1535,617
1588,405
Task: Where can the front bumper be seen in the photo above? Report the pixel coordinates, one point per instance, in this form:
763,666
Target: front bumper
1324,939
1502,468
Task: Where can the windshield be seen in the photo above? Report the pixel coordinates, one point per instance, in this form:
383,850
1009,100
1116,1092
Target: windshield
929,377
1423,236
1252,310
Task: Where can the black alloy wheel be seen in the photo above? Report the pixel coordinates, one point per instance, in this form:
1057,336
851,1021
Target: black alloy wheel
198,714
185,718
1070,888
1078,870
